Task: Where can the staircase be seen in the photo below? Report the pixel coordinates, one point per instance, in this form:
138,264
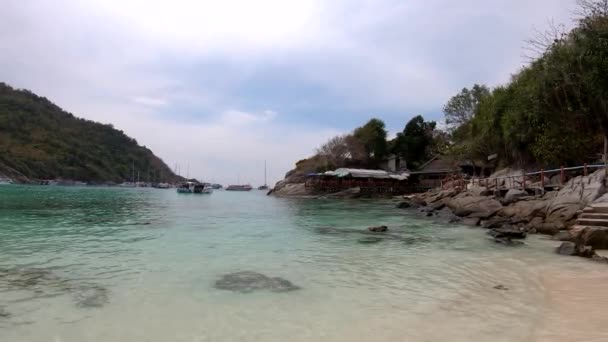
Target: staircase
594,216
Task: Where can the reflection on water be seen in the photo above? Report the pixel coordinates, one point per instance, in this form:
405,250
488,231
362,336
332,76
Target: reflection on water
90,264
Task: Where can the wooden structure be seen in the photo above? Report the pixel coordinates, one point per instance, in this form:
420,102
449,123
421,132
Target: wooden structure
369,182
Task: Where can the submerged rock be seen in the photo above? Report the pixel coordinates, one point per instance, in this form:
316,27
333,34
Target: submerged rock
4,313
44,282
248,281
501,287
378,229
369,240
507,241
507,231
93,296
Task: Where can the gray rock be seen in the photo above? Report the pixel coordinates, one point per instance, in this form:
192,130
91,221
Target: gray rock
474,206
596,237
567,248
525,209
404,205
513,195
248,281
507,231
378,229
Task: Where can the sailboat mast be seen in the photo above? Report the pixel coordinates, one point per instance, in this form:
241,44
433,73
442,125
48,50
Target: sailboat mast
265,181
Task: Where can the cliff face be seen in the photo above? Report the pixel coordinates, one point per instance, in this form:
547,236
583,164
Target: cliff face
39,140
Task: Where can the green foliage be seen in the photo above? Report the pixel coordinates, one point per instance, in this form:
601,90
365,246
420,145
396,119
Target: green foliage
415,142
554,111
40,140
461,108
372,136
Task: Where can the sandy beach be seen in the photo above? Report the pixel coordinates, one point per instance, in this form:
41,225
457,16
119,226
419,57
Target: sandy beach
577,305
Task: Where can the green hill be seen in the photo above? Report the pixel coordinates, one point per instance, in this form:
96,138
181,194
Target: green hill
39,140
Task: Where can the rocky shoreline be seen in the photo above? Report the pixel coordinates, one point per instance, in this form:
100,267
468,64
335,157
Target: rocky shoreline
511,214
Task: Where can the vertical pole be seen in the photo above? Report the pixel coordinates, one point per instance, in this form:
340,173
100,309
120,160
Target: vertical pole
523,180
585,173
542,179
561,180
496,181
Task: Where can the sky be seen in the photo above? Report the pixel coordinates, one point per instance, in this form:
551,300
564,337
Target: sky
219,87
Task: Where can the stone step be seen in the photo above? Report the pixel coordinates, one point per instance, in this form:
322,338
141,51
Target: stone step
592,222
597,216
600,207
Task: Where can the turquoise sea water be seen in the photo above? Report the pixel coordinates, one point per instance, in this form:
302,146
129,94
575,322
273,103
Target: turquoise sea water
109,264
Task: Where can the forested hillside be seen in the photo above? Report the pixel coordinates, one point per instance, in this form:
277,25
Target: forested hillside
554,111
39,140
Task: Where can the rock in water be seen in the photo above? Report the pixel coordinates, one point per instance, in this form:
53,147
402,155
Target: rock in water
369,240
567,248
501,287
4,313
507,231
379,229
248,281
507,241
90,296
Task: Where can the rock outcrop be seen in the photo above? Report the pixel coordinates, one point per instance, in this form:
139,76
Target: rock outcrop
474,206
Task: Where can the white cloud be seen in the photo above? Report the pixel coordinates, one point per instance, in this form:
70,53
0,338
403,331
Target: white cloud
171,73
150,101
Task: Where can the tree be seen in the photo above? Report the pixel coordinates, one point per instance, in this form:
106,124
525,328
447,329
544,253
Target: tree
461,108
372,136
342,150
416,140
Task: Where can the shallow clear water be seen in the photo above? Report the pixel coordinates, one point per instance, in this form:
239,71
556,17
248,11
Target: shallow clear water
108,264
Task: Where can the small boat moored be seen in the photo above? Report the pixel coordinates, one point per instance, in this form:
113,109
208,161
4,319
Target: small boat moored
239,188
194,188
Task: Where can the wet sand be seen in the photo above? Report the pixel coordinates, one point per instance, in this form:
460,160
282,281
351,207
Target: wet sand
577,305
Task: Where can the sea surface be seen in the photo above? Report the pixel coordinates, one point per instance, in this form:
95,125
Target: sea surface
109,264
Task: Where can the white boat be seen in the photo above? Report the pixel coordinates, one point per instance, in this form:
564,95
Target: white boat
194,188
246,187
5,181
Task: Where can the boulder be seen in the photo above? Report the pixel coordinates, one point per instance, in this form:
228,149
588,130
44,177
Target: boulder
507,231
378,229
404,205
596,237
574,196
474,206
513,195
586,251
525,209
567,248
291,190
